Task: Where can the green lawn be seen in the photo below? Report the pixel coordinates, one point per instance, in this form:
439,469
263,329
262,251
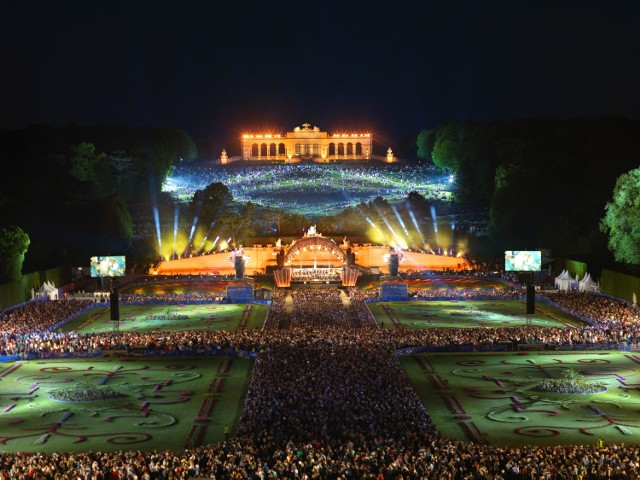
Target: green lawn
467,313
494,396
455,283
144,318
162,403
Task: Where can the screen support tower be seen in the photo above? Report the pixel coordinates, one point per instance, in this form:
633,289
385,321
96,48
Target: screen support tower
531,294
114,305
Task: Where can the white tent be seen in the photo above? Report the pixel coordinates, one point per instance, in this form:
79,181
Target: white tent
565,282
48,291
560,277
587,284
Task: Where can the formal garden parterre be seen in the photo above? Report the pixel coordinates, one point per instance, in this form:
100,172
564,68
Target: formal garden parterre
462,313
495,398
148,317
125,403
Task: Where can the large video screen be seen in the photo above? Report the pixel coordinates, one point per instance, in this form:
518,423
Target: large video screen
523,260
108,266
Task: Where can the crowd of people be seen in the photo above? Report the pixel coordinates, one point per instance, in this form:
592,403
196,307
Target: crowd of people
171,298
492,293
27,330
359,299
409,457
327,398
317,307
329,187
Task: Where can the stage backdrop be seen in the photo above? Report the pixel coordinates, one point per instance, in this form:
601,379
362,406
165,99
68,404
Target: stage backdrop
260,258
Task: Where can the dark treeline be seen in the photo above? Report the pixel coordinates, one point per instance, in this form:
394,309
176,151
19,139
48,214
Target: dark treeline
74,190
545,181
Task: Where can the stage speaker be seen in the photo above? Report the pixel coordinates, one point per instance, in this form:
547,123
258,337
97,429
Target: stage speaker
393,264
531,299
114,306
238,264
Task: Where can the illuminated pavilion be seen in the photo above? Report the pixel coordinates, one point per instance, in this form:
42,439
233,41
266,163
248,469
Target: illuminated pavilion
307,142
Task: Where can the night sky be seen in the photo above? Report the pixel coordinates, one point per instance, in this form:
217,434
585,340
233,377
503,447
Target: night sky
219,67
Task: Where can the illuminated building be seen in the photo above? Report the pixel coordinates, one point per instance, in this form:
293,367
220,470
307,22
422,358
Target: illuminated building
311,254
307,142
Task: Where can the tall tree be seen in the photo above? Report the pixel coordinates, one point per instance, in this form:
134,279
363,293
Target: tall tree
14,243
477,164
424,142
209,203
512,216
88,166
242,226
621,221
448,146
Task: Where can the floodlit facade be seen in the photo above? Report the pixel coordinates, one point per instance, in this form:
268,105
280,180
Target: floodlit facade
307,142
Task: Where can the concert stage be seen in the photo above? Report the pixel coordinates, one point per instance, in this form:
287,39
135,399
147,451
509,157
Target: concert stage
303,256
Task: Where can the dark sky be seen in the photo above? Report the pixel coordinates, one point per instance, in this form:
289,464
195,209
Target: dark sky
216,68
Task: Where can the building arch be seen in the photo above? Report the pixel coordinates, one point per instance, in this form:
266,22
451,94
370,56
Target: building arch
311,244
349,149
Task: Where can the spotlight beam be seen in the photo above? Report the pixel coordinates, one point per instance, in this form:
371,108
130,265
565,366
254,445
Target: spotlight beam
435,225
393,233
395,210
156,218
176,215
415,223
193,229
208,233
453,229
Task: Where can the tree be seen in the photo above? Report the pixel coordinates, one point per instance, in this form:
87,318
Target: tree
419,205
621,221
209,203
116,224
14,243
448,146
513,216
294,224
241,225
85,165
476,164
424,142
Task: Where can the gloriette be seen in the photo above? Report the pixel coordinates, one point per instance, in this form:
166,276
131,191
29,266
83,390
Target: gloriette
308,143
